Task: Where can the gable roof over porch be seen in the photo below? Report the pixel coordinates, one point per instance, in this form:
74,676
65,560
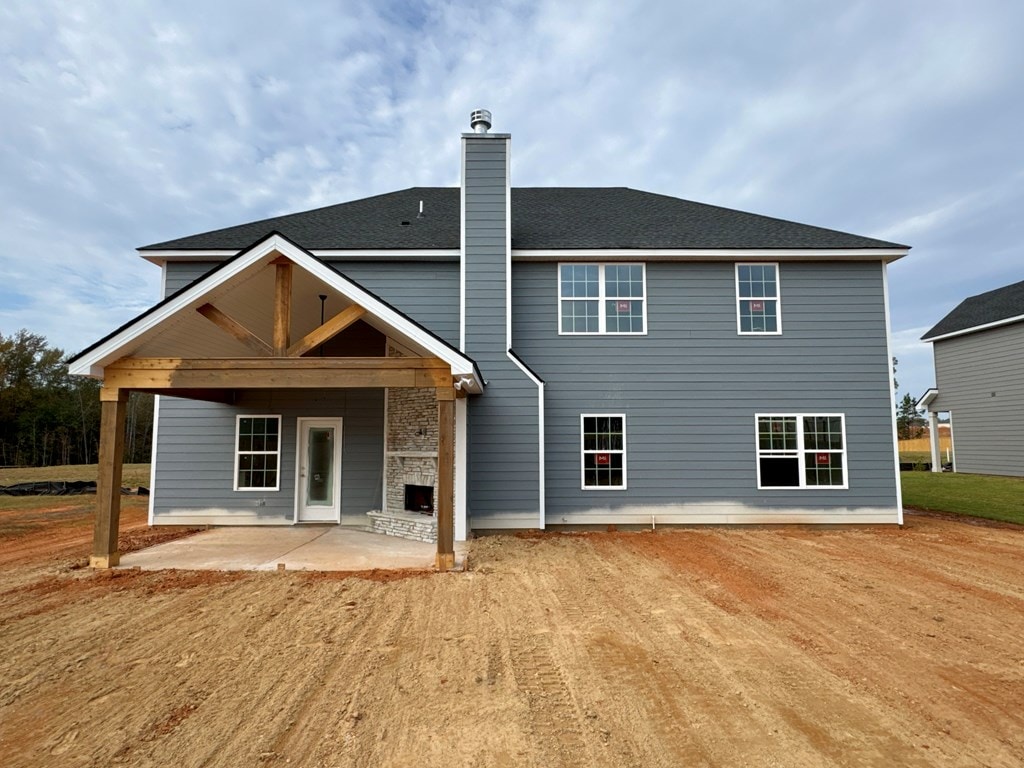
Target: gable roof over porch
230,313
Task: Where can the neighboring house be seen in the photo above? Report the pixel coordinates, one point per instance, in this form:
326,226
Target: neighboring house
979,376
513,358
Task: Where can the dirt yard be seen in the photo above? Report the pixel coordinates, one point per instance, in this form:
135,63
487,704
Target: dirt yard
710,647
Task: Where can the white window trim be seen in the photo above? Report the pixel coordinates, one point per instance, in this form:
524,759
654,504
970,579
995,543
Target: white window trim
583,453
238,426
601,298
801,452
777,298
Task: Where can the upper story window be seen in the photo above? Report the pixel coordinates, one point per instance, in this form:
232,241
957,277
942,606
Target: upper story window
257,453
602,298
757,299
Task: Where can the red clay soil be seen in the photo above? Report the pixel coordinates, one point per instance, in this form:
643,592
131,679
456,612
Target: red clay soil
794,646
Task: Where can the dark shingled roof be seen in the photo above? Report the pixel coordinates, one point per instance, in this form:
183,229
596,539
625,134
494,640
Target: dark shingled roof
990,307
542,218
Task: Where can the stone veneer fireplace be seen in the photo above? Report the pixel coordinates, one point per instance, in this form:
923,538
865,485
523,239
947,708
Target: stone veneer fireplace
410,459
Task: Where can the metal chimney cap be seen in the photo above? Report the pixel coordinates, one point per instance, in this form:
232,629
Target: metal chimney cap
480,120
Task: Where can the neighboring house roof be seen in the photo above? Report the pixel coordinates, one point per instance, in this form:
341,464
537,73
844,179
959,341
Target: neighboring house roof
999,307
542,218
235,274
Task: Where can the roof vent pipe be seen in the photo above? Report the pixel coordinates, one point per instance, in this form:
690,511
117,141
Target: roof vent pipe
480,120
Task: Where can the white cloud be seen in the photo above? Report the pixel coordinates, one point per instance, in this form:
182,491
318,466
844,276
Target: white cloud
162,120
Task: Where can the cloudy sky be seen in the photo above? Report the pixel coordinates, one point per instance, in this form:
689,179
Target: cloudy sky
127,123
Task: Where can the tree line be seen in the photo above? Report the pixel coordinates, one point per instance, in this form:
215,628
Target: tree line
49,417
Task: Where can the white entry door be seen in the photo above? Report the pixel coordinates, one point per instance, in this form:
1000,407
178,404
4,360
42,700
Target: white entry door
318,485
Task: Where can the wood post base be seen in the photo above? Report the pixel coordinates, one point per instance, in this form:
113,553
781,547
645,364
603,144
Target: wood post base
104,561
445,561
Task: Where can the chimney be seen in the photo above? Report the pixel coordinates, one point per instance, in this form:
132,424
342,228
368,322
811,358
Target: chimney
486,239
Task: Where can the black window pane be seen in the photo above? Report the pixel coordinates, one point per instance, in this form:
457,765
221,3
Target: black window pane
779,472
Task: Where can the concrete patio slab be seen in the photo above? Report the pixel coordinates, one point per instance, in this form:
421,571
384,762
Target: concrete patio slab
305,548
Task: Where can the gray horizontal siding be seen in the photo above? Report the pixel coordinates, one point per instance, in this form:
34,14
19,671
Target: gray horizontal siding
196,442
690,388
428,292
178,274
980,378
502,431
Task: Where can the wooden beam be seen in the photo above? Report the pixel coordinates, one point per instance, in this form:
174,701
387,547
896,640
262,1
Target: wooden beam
445,478
328,330
277,372
235,328
224,396
282,306
113,405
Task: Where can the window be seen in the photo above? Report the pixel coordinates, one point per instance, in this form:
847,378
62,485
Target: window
602,298
801,451
603,441
757,298
257,453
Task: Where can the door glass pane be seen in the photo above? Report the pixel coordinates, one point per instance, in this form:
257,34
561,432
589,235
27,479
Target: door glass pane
320,458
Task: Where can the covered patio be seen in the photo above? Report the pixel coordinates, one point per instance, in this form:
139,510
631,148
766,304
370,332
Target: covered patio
231,332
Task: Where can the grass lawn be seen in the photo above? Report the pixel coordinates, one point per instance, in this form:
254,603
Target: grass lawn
132,476
916,457
988,496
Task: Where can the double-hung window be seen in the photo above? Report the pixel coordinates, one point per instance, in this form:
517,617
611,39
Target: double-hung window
758,309
257,453
602,298
801,451
603,458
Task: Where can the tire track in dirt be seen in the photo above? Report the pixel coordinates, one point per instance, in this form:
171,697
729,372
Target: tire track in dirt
882,632
726,640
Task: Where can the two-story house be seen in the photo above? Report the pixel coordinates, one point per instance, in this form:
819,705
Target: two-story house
510,357
979,372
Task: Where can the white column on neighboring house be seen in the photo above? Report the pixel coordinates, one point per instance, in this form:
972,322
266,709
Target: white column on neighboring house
933,438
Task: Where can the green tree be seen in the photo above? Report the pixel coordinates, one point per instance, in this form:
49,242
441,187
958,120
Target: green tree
909,422
48,417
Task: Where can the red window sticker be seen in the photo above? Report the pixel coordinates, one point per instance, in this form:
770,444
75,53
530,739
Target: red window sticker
623,306
602,459
757,306
822,458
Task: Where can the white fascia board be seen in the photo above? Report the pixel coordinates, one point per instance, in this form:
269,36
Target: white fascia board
394,254
927,398
92,364
710,254
976,328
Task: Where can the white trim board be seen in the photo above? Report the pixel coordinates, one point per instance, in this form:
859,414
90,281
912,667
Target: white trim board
568,254
709,254
892,395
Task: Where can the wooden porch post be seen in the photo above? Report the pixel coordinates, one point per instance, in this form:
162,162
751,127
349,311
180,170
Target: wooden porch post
282,306
933,441
113,404
445,478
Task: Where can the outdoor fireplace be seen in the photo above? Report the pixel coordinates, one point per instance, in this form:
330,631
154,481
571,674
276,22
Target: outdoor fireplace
419,498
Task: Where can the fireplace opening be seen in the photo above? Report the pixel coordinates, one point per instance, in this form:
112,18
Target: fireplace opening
419,498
